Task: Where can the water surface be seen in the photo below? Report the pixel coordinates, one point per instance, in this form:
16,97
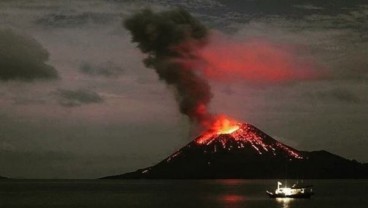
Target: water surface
175,193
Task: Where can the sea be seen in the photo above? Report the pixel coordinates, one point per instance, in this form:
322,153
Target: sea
176,194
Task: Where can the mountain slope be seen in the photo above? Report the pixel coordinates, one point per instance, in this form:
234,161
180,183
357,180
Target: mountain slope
243,151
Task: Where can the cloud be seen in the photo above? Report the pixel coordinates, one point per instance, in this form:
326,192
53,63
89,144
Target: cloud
73,98
107,69
335,45
344,96
75,19
308,7
23,58
6,146
256,60
339,94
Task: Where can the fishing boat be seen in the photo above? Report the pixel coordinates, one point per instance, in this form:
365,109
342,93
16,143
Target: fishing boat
296,191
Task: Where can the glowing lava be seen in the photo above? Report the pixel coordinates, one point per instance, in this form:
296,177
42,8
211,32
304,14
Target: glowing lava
221,125
231,134
225,125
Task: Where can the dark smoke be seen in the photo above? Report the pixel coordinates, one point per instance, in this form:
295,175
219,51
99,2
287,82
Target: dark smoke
169,38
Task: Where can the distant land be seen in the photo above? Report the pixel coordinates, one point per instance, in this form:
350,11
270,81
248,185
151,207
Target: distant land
248,153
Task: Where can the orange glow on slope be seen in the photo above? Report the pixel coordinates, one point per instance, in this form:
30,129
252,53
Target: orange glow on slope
221,125
243,135
224,125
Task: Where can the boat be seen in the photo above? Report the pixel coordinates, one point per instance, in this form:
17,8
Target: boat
296,191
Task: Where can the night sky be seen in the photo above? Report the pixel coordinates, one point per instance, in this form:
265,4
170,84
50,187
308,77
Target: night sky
80,103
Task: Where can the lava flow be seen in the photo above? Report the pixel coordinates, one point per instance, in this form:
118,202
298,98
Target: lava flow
221,125
233,134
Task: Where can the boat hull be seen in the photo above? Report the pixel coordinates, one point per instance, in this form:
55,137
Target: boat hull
295,196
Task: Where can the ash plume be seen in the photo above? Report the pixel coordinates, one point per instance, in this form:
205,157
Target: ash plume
170,39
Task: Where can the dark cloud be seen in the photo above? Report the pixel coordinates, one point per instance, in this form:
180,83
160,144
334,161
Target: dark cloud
292,8
23,58
75,20
338,94
107,69
72,98
168,38
343,95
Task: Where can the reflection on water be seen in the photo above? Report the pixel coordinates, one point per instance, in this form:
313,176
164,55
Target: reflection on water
232,198
285,202
173,193
239,193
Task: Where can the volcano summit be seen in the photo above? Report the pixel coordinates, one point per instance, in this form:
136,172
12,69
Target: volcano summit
240,150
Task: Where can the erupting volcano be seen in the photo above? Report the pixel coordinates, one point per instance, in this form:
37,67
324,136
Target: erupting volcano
235,135
174,43
231,149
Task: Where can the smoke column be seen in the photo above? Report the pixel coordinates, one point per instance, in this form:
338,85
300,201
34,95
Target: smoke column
185,55
168,38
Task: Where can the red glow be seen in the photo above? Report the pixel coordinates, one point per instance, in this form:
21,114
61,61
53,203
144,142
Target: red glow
254,61
221,125
233,198
225,125
202,114
257,61
244,135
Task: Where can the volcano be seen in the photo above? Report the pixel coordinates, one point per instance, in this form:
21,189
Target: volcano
239,150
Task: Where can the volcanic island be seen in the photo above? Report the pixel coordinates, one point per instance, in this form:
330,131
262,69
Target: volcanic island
174,43
231,149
